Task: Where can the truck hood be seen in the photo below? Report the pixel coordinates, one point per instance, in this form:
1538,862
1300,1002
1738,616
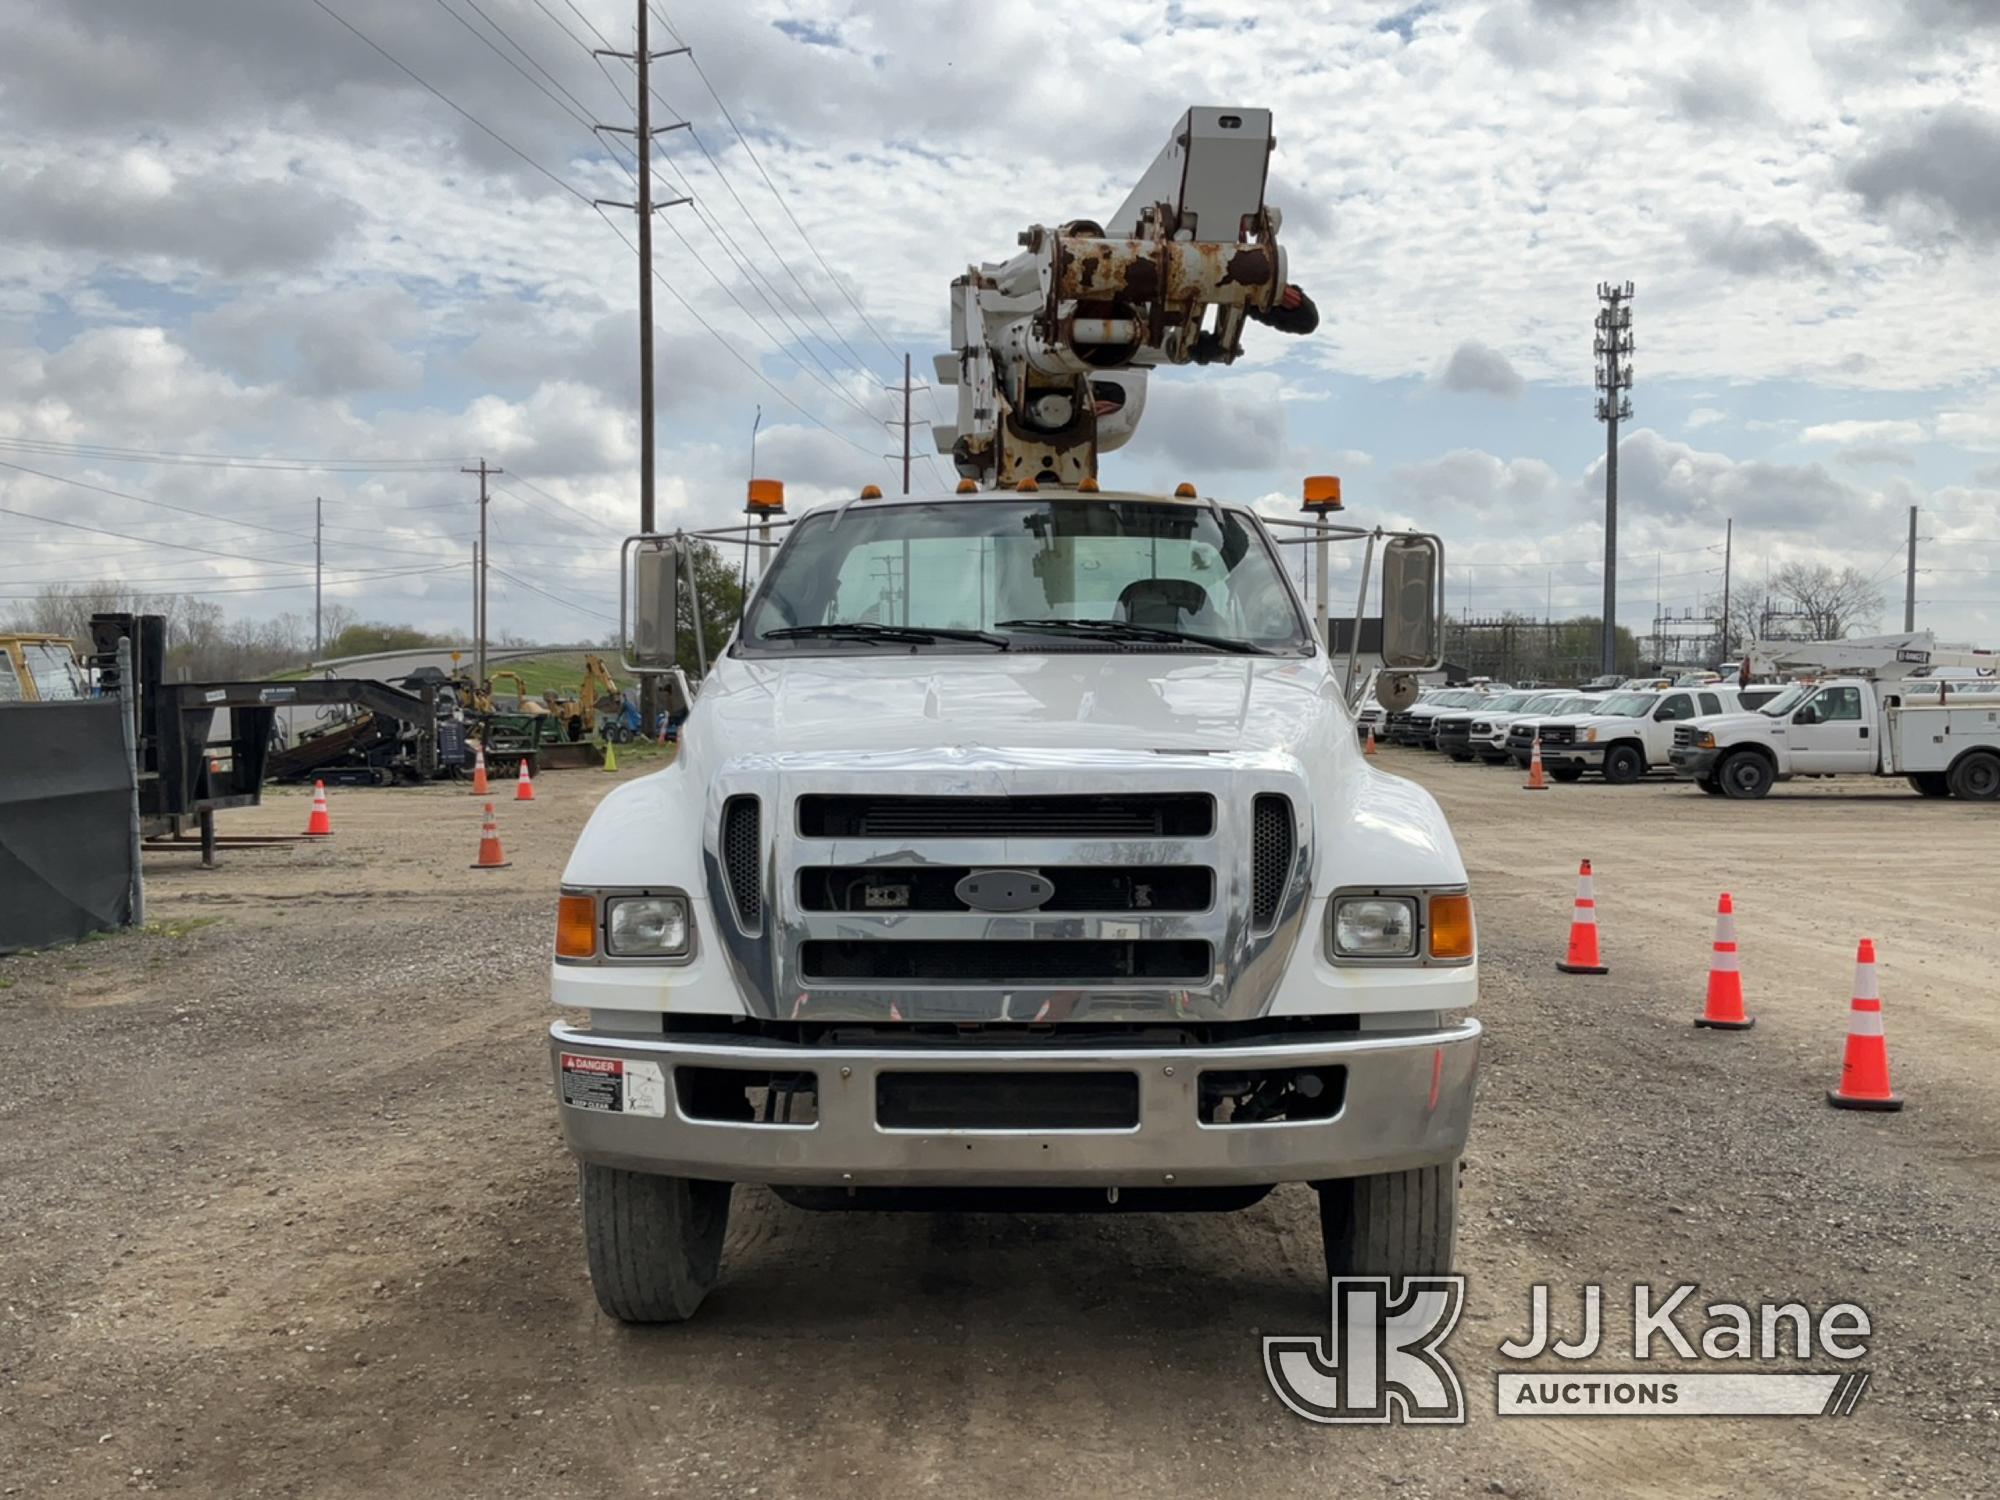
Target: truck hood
880,700
1738,726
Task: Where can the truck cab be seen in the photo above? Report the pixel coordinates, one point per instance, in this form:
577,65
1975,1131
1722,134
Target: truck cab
1018,852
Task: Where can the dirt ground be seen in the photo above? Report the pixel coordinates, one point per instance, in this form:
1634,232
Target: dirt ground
284,1210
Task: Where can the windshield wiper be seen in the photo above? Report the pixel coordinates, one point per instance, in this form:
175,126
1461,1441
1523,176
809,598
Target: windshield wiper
865,630
1124,630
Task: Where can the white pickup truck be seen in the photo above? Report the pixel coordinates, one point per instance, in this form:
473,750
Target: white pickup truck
1946,744
1630,733
1018,852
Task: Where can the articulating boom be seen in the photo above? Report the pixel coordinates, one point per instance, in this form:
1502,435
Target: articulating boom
1052,347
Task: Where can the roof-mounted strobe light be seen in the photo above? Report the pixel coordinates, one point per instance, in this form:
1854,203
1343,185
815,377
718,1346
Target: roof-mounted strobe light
767,498
1322,494
871,492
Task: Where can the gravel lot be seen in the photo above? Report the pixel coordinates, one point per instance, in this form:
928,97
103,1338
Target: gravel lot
283,1208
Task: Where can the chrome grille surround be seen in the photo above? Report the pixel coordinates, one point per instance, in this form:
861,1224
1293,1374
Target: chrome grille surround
1249,957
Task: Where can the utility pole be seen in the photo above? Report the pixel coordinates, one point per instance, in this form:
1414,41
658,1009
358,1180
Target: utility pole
1722,633
479,578
318,515
642,133
1613,378
1910,578
907,423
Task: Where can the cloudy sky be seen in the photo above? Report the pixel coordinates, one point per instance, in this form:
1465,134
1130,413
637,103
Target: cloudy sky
243,228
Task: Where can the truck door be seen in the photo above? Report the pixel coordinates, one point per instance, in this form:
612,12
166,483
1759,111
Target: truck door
1669,711
1830,733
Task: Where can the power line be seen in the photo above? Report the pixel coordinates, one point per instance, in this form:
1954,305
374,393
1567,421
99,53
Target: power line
734,353
449,103
164,457
206,515
755,161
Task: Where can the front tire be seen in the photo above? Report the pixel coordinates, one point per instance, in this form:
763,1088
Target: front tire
1566,773
1624,764
1746,776
1976,777
1930,783
654,1244
1390,1224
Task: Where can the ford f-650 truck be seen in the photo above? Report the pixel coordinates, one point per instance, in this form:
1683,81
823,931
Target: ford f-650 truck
1019,852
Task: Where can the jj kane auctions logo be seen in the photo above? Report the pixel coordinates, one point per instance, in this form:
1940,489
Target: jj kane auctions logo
1382,1359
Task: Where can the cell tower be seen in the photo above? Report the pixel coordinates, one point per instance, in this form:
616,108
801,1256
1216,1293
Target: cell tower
1613,348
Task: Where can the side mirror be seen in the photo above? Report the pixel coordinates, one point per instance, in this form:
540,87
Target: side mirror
1411,605
1807,714
655,597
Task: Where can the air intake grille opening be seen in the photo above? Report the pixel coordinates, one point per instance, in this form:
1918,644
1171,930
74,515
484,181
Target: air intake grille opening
1174,815
952,961
741,857
1271,851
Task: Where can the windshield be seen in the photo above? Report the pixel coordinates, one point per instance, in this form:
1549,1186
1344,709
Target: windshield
1628,705
1786,701
1543,703
1026,575
1508,702
53,669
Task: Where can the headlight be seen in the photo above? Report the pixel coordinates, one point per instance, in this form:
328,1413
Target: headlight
646,926
1590,736
1375,927
1705,741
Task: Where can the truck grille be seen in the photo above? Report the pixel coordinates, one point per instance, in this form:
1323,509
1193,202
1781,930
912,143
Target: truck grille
1109,816
948,961
890,888
1683,737
742,849
1558,734
1272,845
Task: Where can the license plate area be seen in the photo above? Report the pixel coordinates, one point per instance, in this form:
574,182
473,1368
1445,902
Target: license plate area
1007,1101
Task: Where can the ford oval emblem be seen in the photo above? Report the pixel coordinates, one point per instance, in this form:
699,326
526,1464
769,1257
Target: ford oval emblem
1004,890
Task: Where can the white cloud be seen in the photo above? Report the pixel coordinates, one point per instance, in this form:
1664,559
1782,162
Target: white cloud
1892,431
1474,368
1704,416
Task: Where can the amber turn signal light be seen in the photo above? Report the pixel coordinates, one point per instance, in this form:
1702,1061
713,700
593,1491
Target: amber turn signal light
1451,927
576,927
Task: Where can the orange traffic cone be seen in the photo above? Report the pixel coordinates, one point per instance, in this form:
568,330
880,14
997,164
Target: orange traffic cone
1864,1072
1371,741
1725,980
479,771
1583,930
320,824
490,855
1535,783
524,789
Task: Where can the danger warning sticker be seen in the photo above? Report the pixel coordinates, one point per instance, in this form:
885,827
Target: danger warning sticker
613,1086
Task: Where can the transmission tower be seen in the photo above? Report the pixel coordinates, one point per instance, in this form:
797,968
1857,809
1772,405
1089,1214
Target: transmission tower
1613,348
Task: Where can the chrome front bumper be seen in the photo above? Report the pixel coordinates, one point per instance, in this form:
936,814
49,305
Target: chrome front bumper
1407,1103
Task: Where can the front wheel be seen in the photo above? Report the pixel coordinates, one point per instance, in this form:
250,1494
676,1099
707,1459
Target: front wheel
1390,1224
1746,776
1566,773
654,1244
1624,764
1976,777
1930,783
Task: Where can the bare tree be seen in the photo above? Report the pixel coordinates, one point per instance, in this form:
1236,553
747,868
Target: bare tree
1831,601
